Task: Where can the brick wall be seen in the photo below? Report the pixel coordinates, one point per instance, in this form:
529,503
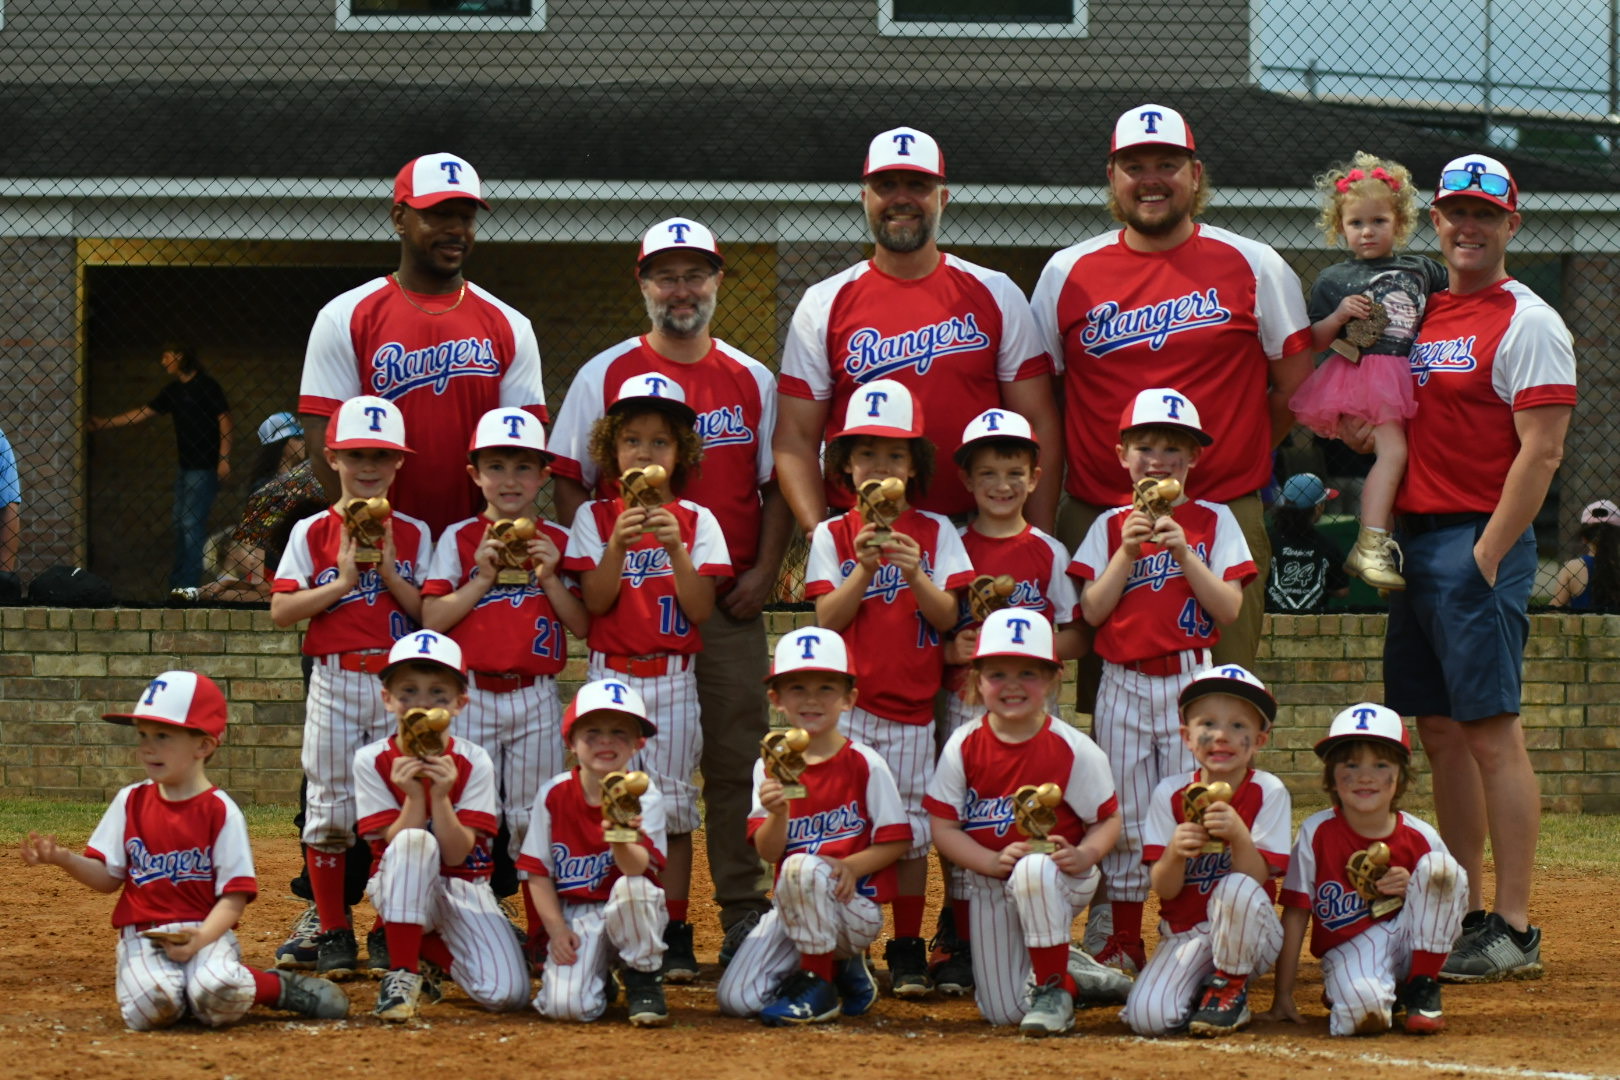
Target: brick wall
60,669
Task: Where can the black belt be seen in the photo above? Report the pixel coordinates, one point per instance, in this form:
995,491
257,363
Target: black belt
1418,524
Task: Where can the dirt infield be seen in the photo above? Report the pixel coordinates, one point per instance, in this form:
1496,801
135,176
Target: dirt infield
58,1017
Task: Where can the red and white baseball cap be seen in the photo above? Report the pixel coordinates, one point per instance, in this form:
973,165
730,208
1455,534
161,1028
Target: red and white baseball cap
904,148
1016,631
433,178
995,424
185,699
811,648
606,695
883,408
1231,679
426,647
1163,406
658,390
679,234
1152,125
510,428
367,421
1602,512
1367,721
1478,177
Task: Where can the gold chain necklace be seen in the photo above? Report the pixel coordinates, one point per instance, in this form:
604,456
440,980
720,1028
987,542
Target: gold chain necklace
460,296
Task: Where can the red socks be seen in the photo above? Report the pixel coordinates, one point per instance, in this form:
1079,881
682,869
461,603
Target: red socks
1049,962
908,916
818,964
326,871
1428,963
435,951
960,911
1128,918
266,987
677,909
404,945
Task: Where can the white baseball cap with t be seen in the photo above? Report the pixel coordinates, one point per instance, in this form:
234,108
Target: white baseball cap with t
426,647
810,648
995,424
1152,125
1230,679
1367,721
183,699
906,149
367,421
679,234
606,695
1016,632
658,390
1163,406
1476,176
883,408
433,178
511,428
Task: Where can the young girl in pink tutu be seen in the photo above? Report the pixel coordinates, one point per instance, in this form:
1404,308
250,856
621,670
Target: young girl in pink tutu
1367,310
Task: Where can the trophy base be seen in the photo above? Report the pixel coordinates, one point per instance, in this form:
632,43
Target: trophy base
1042,847
513,577
1386,905
879,538
620,836
367,555
793,791
1214,847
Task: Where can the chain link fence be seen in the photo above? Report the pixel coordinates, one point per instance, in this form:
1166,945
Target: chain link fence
208,174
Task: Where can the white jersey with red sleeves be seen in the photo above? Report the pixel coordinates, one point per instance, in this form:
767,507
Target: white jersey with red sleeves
367,616
647,618
473,796
512,629
1036,561
1158,614
978,773
850,803
734,397
1206,317
898,659
444,371
565,840
1479,359
1317,881
176,859
951,337
1261,800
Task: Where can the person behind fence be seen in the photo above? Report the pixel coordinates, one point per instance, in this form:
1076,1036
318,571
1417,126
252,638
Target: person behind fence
1381,895
177,848
10,509
1368,310
283,477
1306,567
1591,582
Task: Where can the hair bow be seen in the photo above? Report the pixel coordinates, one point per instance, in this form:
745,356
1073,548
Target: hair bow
1344,182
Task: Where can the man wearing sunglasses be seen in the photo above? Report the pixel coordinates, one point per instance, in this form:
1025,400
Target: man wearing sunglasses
1495,373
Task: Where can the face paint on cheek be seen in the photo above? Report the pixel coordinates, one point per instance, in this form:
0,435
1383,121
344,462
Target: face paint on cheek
1205,741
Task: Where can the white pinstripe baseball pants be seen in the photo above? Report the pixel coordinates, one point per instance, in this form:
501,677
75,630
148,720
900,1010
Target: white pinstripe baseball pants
908,750
1242,936
521,731
155,992
672,755
486,960
806,921
1033,909
1360,976
631,924
1139,729
343,712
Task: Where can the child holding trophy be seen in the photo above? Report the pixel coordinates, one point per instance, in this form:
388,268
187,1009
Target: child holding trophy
648,564
1024,804
592,855
828,814
1382,896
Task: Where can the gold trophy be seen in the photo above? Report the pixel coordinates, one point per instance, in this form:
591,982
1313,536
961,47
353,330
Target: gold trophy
621,805
1035,814
421,732
783,752
364,520
167,937
1156,497
640,486
987,594
1200,797
1361,334
1364,869
513,559
879,504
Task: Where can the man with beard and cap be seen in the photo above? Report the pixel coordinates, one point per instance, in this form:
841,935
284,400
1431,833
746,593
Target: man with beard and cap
680,270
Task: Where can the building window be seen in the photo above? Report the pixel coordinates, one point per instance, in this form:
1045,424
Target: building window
982,18
441,15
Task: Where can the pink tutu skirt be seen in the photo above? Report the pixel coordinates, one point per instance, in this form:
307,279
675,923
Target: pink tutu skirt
1378,390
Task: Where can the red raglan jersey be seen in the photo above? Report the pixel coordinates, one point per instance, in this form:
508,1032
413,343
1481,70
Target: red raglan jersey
952,338
1478,359
734,397
898,659
978,773
473,796
444,371
647,618
1206,317
1157,613
850,803
367,616
1033,559
176,859
564,841
1261,800
1317,882
512,630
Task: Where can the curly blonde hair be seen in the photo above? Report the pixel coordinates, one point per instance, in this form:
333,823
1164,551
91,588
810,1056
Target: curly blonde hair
604,444
1366,176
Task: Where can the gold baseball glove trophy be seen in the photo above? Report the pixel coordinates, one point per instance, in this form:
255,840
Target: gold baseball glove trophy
1360,334
1156,497
879,504
988,594
1197,798
1364,868
783,752
421,732
1035,814
513,560
364,520
621,805
640,486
